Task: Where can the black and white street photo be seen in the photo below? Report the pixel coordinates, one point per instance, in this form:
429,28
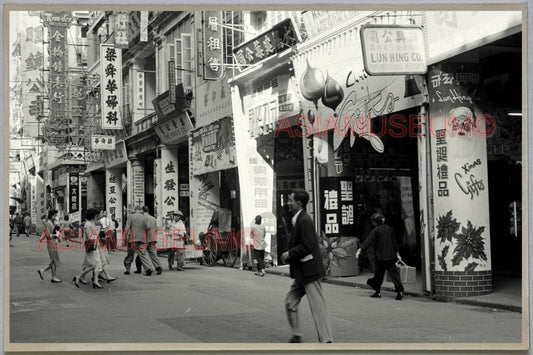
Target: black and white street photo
251,178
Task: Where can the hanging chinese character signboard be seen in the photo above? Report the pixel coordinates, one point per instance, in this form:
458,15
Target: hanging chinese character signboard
121,29
139,91
393,50
102,142
213,45
113,193
111,86
172,81
213,147
58,24
174,130
279,38
337,201
458,131
144,26
74,197
169,181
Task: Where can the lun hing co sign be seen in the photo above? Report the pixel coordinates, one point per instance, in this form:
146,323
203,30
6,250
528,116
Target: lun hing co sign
393,50
279,38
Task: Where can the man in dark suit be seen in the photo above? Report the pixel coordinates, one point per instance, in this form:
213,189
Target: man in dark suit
151,224
306,269
136,227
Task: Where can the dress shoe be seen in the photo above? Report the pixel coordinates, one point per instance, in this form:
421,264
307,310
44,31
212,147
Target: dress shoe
399,296
376,295
40,274
75,279
137,272
295,339
159,271
55,281
111,279
127,272
148,273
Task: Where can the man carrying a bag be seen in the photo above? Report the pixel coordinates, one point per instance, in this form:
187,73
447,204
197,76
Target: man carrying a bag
383,240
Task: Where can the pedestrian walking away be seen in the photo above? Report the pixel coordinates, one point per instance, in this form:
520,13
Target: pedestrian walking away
386,252
27,224
50,234
19,223
151,225
93,262
136,229
66,230
306,268
258,233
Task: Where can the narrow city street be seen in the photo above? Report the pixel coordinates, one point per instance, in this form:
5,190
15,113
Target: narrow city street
221,304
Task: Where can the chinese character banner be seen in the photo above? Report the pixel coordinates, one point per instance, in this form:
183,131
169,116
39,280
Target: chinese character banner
114,194
457,131
337,206
111,86
74,195
169,181
213,49
58,24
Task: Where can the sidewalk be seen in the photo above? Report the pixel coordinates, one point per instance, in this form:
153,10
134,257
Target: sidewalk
506,295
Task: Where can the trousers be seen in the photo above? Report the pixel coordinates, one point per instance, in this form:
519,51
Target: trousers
392,269
260,256
141,249
318,307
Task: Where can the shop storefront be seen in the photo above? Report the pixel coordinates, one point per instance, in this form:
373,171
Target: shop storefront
213,174
270,162
171,166
142,153
476,154
361,149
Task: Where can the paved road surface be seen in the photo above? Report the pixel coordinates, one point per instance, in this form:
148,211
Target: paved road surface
219,304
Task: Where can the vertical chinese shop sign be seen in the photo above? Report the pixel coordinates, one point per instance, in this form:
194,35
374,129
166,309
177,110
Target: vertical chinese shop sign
213,45
458,132
58,24
169,181
337,201
111,86
114,193
74,197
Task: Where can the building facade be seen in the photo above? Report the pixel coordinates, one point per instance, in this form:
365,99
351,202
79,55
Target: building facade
229,111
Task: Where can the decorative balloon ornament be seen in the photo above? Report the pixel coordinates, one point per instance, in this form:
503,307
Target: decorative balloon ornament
312,84
333,94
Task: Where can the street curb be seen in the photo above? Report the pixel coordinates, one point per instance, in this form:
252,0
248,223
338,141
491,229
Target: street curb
505,307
